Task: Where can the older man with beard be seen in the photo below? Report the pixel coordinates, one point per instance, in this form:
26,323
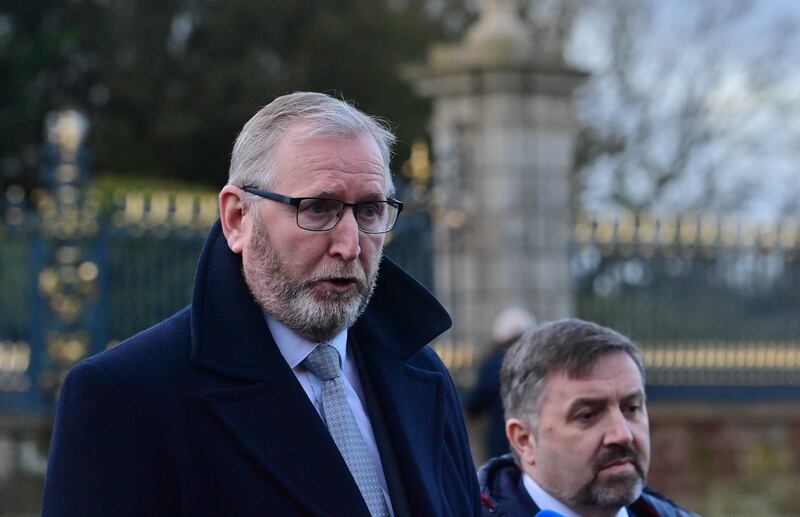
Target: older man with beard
299,380
576,419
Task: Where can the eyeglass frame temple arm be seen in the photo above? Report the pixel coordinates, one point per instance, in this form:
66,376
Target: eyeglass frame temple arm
295,201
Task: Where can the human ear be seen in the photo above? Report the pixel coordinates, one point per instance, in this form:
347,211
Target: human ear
521,438
232,213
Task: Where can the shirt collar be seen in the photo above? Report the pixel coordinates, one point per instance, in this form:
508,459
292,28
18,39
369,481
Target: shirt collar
545,501
294,347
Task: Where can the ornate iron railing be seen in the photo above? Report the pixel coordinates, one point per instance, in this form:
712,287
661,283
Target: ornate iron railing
713,302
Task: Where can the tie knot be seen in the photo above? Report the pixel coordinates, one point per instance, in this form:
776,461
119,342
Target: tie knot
323,362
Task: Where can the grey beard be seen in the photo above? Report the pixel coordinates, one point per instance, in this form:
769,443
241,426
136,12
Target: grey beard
616,492
318,320
293,302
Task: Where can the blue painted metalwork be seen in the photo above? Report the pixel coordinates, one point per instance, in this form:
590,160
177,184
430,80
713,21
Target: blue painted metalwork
716,311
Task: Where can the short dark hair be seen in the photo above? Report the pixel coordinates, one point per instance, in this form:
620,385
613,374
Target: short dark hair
572,345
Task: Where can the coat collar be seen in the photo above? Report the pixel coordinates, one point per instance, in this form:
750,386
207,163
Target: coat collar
504,494
229,334
273,418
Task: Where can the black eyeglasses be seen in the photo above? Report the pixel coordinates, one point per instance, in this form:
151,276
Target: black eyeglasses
319,214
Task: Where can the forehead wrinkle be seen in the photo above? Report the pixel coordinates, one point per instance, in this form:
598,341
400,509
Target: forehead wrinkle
604,399
591,399
296,140
327,163
328,184
334,193
560,381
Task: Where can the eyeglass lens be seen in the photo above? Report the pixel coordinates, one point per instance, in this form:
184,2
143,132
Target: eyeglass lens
323,214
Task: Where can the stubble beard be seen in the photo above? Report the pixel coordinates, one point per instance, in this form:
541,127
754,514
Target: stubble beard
317,315
613,491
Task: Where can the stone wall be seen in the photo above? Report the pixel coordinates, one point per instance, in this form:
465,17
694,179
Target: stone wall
728,459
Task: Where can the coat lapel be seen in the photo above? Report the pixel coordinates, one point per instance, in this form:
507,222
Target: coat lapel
403,317
412,403
270,416
279,427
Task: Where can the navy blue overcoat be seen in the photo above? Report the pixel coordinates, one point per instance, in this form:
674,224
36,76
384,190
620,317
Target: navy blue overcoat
201,415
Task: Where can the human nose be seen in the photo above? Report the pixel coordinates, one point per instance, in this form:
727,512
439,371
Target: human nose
619,429
345,237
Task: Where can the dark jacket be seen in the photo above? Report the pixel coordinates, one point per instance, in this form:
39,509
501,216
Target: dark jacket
201,415
503,494
484,397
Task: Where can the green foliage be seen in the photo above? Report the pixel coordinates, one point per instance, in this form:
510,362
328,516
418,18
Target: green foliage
109,183
15,276
168,84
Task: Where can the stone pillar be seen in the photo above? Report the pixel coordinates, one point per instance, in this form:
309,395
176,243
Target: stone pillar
503,138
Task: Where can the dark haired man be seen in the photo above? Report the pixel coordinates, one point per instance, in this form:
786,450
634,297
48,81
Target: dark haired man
576,419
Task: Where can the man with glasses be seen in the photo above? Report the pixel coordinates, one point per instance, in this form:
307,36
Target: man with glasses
299,381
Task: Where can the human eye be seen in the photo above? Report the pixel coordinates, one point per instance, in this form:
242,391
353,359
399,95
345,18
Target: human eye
313,206
319,206
633,408
371,210
586,416
318,213
586,413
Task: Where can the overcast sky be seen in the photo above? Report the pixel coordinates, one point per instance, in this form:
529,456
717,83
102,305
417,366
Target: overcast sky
731,50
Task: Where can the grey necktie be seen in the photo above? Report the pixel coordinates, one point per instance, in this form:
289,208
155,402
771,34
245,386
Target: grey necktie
324,363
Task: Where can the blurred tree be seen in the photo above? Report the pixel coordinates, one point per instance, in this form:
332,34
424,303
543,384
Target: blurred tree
168,83
681,116
677,115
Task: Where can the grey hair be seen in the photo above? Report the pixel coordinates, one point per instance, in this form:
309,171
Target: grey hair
572,345
253,156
